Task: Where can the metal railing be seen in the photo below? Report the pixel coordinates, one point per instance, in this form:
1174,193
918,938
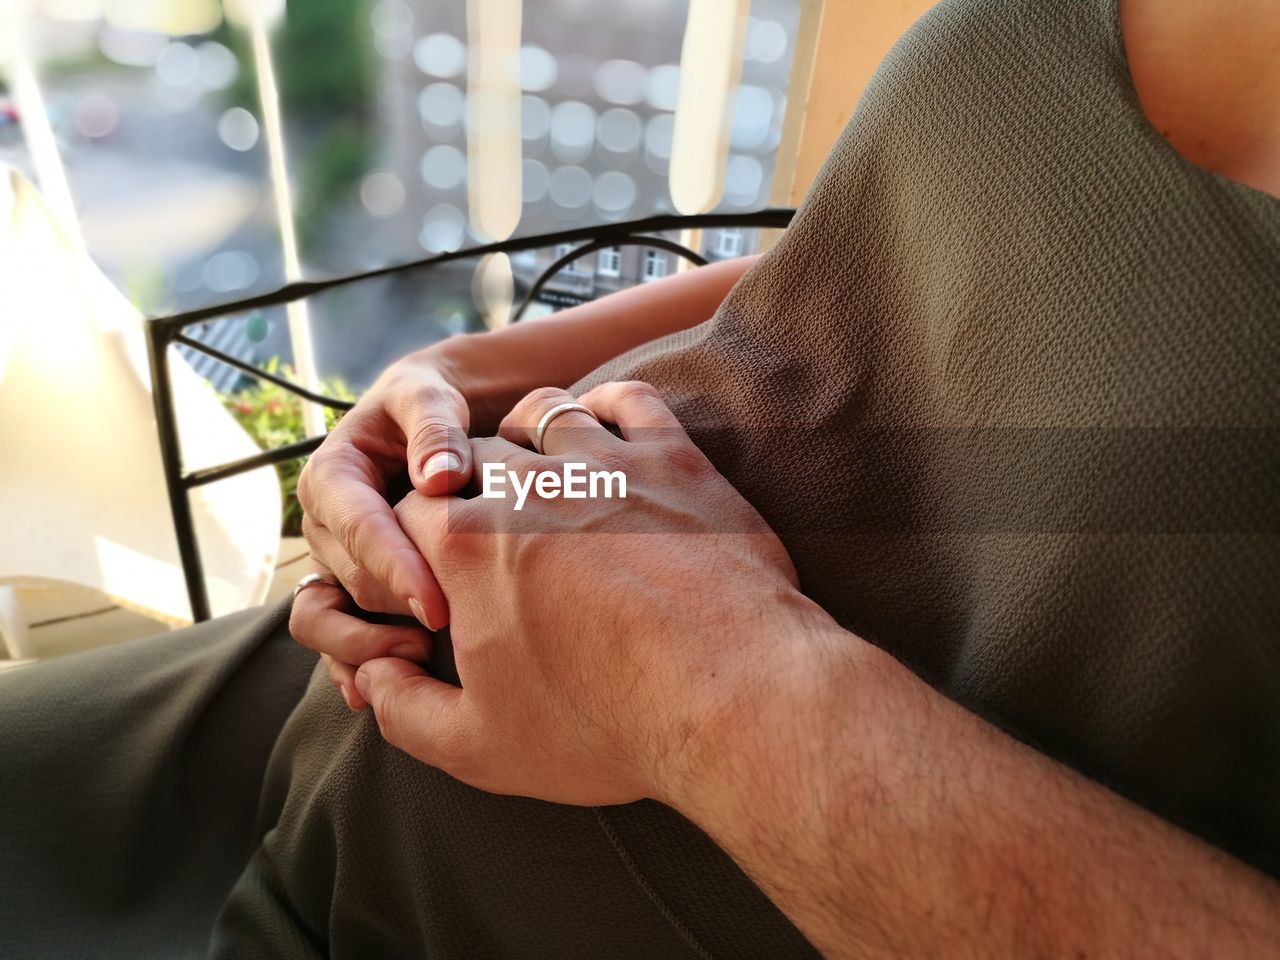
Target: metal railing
165,332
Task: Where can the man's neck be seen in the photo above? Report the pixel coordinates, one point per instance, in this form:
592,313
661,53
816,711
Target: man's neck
1208,76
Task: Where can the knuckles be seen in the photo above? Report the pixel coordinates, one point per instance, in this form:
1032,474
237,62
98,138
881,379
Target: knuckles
450,750
304,487
687,460
299,627
542,395
535,402
434,431
362,588
636,390
348,532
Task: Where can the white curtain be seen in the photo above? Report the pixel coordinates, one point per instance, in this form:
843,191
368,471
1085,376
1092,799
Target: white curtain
82,492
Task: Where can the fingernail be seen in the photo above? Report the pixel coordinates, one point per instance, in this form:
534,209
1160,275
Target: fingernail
346,694
444,462
362,684
421,614
409,651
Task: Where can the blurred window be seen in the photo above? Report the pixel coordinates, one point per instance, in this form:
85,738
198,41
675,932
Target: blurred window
574,266
729,243
609,263
655,265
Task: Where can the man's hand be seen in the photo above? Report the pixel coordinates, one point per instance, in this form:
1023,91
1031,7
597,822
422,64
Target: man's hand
593,669
657,647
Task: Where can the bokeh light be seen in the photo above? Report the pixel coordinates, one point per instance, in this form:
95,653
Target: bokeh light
376,137
621,81
613,193
752,117
216,66
229,271
96,115
392,22
535,118
238,129
570,187
534,180
662,86
440,55
766,40
442,105
573,130
131,48
178,65
382,193
743,178
444,167
619,130
443,229
538,70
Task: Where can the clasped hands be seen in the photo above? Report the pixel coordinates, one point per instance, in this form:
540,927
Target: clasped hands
603,644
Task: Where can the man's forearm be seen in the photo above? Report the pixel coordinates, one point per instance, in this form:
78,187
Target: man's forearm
886,820
496,369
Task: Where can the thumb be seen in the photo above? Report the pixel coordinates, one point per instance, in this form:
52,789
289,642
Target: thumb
437,449
415,712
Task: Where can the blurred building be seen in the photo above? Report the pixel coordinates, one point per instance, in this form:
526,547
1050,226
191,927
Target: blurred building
600,82
162,142
605,271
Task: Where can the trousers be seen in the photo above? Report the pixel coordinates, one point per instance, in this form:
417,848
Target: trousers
206,793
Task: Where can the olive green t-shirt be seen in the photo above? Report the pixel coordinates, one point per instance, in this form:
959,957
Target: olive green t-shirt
1008,389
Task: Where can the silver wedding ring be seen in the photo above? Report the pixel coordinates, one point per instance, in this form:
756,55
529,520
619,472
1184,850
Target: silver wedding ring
308,580
554,412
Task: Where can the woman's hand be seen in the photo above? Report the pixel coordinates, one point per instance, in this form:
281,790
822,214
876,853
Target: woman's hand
413,417
324,609
599,642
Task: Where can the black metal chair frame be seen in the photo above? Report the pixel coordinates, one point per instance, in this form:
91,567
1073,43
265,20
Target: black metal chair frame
164,332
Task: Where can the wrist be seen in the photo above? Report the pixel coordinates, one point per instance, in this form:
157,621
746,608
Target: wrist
782,781
781,697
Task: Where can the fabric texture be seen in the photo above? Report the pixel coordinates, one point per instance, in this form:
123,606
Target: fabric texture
130,783
1017,361
376,855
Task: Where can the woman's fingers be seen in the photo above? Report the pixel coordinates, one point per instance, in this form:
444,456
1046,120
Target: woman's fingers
343,676
412,419
343,494
368,592
433,420
571,431
321,620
